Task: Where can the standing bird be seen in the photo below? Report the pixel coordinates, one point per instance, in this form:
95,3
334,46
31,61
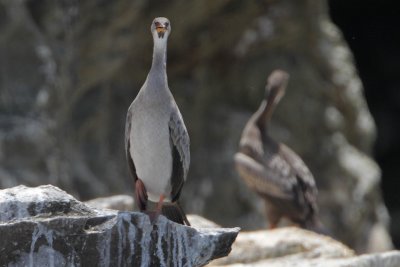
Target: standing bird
156,139
272,169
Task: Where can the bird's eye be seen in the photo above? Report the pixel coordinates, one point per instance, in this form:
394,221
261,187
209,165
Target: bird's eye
166,24
157,24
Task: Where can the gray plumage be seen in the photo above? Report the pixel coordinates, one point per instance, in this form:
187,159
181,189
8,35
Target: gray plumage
272,169
156,139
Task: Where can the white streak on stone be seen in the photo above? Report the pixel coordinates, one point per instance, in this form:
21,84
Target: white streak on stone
35,236
120,238
131,238
103,246
71,259
180,238
175,246
41,230
49,238
146,238
162,227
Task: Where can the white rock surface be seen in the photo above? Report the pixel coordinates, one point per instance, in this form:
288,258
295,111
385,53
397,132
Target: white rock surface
294,247
117,202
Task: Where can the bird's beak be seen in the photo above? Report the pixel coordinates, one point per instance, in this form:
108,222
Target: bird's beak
161,29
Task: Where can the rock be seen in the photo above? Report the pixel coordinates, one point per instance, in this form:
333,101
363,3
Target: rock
201,222
44,226
387,259
117,202
255,246
125,202
70,69
291,246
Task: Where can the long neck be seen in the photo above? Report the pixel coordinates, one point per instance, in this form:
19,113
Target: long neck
264,113
158,71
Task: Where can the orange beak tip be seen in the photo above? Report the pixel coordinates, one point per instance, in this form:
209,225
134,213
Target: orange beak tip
160,29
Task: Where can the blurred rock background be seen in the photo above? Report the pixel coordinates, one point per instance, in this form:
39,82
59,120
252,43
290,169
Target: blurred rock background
370,28
70,69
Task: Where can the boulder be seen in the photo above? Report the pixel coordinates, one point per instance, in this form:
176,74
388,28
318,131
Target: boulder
116,202
284,247
125,202
290,246
45,226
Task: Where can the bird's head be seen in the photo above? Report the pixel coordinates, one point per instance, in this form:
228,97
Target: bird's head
276,86
160,28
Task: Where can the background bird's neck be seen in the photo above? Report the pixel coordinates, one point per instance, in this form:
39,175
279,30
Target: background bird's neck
264,113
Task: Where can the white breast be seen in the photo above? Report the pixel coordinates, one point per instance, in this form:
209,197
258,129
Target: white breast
151,152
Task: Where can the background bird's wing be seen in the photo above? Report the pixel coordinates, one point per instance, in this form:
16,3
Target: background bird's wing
268,180
128,124
304,177
180,145
261,166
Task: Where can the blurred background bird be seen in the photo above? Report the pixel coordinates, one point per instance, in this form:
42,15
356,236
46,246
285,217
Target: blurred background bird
273,170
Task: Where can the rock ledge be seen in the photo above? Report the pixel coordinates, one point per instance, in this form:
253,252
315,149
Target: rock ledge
45,226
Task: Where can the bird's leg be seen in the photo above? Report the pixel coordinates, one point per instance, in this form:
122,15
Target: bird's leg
140,195
159,204
154,215
272,225
273,220
273,215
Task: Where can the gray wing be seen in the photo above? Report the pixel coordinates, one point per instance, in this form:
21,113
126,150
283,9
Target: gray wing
128,124
180,145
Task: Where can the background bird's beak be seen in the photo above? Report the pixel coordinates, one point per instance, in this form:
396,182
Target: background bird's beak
161,31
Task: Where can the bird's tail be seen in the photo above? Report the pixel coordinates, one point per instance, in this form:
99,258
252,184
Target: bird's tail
174,212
